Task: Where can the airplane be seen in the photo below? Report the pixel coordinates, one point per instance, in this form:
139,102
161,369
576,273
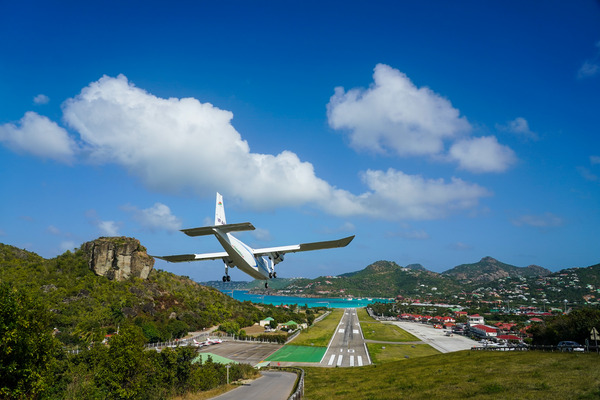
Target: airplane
258,263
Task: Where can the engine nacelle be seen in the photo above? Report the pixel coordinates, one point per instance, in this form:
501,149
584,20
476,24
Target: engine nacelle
276,257
228,262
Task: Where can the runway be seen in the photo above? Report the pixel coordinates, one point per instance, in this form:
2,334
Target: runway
347,347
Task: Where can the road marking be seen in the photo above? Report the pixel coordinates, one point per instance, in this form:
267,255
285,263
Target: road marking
332,359
340,358
360,364
352,361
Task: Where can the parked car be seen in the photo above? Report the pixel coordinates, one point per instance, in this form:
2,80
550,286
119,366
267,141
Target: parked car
568,345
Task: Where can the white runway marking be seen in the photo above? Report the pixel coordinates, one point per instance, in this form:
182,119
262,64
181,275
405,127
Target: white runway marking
360,363
340,358
341,331
352,361
332,359
355,331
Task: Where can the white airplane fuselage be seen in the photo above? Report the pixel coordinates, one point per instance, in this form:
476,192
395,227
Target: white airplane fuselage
242,256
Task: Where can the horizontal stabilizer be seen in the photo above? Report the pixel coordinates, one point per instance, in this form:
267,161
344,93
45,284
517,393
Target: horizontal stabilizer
210,230
194,257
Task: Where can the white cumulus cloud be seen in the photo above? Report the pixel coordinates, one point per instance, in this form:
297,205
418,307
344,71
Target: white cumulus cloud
483,154
520,127
181,145
39,136
41,99
108,228
396,195
157,217
395,114
173,143
590,68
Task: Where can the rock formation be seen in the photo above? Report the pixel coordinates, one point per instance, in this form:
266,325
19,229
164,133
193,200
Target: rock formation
118,258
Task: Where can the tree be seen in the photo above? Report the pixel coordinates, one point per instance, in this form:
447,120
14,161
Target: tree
123,372
27,346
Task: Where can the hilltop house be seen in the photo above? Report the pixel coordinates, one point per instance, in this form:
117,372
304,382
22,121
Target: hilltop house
476,319
266,321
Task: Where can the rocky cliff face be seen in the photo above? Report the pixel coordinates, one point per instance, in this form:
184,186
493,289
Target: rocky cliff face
118,258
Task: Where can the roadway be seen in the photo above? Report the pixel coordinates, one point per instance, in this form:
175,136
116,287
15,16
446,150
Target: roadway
272,385
347,347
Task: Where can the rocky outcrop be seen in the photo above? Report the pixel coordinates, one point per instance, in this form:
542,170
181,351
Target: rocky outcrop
118,258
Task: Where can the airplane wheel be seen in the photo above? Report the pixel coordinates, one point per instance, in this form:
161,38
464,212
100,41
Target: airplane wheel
228,278
274,274
224,278
266,285
270,275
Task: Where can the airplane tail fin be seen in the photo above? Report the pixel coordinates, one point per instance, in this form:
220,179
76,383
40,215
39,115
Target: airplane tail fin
220,211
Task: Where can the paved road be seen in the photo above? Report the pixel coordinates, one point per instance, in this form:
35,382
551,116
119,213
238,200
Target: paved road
436,338
273,385
347,347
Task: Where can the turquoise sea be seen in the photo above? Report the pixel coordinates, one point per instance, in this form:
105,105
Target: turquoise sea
243,295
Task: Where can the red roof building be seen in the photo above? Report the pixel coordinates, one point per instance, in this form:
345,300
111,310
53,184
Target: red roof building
484,330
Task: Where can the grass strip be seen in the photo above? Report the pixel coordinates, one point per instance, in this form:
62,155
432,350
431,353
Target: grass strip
386,332
320,334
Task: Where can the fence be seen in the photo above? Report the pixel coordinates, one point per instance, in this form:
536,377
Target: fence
203,336
499,348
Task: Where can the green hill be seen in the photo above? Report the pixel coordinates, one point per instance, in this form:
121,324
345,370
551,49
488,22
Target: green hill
86,306
489,269
380,279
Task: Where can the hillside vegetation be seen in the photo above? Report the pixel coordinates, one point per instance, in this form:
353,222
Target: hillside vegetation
48,306
85,307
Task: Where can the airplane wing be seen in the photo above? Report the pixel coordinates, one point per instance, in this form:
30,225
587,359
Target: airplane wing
210,230
305,246
194,257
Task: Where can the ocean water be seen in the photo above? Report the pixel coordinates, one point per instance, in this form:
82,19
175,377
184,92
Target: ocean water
243,295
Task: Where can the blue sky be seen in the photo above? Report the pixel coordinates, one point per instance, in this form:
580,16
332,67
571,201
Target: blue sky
436,133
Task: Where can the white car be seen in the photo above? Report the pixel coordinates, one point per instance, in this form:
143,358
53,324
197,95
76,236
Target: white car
570,346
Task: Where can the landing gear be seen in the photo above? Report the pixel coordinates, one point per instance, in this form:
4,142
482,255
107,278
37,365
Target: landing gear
266,285
272,275
226,277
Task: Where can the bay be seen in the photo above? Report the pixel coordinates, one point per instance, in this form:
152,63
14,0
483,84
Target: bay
333,302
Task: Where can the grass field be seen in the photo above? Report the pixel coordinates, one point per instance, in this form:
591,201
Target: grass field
465,374
298,354
375,330
384,353
386,332
320,334
363,316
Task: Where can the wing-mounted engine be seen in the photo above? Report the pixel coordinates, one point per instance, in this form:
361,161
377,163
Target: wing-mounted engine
276,257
